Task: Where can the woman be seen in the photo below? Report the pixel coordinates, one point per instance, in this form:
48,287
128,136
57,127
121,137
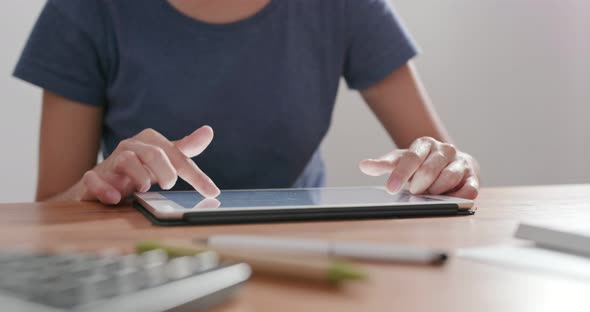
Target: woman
136,78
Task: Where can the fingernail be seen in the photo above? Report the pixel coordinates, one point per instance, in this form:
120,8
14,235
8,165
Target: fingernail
173,183
145,188
394,184
207,127
213,191
113,197
363,164
169,185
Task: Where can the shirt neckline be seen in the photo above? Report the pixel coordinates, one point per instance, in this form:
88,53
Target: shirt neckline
170,9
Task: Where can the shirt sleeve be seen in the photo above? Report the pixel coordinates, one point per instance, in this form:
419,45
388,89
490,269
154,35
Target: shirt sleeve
62,54
377,43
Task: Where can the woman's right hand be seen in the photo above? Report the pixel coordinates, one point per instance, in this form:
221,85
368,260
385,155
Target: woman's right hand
146,159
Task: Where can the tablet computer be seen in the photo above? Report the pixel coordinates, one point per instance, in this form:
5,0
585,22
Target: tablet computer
297,204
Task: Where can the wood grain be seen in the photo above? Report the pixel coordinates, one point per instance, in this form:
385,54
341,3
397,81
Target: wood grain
460,285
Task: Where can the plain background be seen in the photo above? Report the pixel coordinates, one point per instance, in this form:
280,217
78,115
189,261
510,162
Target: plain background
508,77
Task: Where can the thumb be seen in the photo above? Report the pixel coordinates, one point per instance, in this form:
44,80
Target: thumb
380,166
196,142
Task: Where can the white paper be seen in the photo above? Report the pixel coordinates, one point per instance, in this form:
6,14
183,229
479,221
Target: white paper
532,259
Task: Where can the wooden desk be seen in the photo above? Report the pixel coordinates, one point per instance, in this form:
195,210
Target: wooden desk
460,285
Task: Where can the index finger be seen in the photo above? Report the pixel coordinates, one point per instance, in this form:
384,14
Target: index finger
382,165
185,167
409,162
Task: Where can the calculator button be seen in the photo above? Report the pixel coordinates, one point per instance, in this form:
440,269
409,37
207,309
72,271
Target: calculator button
181,267
206,260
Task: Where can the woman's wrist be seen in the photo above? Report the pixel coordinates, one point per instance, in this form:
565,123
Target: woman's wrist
76,193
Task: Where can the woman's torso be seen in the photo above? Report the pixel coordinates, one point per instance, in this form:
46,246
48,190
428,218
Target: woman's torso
266,84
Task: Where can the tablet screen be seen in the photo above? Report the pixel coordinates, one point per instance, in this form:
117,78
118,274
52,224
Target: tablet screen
282,198
298,198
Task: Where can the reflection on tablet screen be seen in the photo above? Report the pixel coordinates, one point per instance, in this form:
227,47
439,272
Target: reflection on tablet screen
289,198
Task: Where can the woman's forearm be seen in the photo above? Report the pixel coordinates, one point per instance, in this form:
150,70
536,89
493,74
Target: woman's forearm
401,104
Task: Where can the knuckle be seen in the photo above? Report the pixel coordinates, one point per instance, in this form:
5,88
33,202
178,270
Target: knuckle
428,169
89,183
125,144
411,156
461,166
424,174
125,157
147,133
426,139
153,153
441,155
123,160
449,149
120,167
87,176
474,182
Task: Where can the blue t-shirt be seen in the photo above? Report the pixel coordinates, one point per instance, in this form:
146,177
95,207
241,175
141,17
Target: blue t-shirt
265,84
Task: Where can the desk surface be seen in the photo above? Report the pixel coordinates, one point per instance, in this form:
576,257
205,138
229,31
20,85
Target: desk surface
460,285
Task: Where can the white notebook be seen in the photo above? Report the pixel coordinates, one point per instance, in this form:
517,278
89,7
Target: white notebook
576,241
561,250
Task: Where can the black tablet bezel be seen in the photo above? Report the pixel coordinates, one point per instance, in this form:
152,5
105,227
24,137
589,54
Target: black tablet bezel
311,214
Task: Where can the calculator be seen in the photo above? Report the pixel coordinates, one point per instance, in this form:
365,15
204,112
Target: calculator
109,281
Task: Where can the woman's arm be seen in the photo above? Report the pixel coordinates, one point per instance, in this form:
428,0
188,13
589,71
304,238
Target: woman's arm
69,143
427,159
402,106
70,140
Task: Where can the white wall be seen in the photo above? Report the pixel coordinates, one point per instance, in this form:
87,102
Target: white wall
509,78
19,106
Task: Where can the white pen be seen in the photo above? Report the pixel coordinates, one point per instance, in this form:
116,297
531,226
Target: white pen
344,249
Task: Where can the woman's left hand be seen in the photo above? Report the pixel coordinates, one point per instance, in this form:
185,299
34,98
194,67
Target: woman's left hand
431,167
